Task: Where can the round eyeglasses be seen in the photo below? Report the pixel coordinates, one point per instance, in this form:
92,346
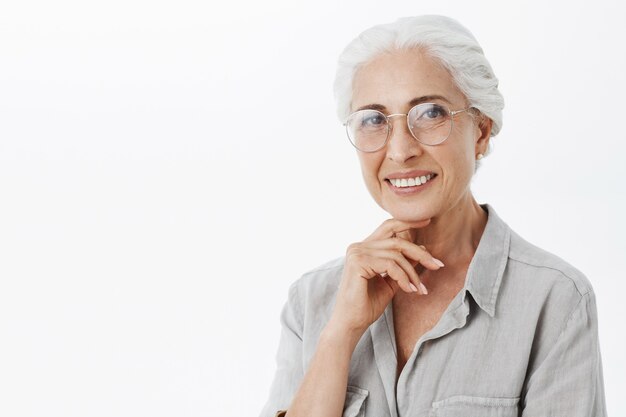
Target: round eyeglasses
429,123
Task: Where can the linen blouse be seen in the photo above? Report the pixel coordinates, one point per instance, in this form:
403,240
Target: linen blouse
519,339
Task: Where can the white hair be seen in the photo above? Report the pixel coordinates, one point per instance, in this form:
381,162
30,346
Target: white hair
442,38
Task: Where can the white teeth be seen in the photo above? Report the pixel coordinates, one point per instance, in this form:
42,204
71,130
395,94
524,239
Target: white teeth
410,182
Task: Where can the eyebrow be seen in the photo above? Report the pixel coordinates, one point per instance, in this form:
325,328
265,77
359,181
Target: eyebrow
414,102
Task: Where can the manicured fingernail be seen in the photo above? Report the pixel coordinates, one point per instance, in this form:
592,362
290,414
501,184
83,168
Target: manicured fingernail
413,287
424,290
438,262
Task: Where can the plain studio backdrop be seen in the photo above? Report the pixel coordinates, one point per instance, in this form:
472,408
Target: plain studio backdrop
168,169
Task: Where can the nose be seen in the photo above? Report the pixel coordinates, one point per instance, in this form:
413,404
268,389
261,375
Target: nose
401,145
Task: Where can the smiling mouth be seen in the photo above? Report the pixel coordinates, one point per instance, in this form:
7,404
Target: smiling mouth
410,182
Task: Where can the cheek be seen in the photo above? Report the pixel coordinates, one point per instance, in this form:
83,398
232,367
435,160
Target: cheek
460,167
464,155
370,165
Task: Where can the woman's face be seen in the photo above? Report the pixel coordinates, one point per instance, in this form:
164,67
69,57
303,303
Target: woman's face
393,83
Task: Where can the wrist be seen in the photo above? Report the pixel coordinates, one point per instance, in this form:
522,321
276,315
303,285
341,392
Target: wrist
341,335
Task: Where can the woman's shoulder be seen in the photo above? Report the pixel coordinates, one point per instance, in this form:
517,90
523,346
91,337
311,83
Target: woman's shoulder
323,278
543,264
332,265
317,287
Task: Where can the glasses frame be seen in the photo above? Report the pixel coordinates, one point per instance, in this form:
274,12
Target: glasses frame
452,113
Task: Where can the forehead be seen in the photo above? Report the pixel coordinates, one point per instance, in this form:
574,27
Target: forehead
393,79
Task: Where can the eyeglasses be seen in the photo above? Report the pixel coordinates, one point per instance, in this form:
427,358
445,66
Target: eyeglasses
429,123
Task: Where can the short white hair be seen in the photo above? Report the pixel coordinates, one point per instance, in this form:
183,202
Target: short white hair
441,37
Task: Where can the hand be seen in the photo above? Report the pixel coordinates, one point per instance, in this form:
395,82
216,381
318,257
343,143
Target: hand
373,272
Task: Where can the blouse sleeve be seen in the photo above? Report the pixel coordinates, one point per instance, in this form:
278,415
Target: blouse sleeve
289,369
569,381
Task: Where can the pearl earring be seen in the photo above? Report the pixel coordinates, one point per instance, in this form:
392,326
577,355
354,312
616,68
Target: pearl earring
479,156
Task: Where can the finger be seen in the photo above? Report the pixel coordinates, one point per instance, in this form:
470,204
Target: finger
385,264
392,283
398,274
410,270
372,265
413,281
410,235
410,250
390,227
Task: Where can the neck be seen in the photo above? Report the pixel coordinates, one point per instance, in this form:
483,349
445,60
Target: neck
454,235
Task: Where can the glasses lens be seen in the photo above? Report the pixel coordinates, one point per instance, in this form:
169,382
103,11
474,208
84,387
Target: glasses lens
367,130
430,123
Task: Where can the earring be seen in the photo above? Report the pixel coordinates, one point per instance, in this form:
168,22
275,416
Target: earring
479,156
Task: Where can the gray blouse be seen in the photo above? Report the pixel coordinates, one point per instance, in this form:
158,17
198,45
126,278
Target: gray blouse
519,339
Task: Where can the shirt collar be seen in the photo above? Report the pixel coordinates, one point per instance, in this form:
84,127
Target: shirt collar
486,268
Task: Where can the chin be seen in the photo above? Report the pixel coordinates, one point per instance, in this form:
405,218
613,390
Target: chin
410,214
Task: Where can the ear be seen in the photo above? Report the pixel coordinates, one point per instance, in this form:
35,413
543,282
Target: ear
483,128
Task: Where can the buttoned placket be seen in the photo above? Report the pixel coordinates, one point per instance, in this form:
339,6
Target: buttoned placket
385,351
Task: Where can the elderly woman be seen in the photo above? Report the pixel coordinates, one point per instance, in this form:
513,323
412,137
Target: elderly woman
443,310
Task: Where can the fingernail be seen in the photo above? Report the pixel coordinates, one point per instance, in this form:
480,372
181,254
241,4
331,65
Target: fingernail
413,287
424,290
438,262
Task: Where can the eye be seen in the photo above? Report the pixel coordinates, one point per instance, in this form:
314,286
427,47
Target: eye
433,112
372,119
428,116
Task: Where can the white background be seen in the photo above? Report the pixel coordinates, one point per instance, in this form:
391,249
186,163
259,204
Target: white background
167,169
